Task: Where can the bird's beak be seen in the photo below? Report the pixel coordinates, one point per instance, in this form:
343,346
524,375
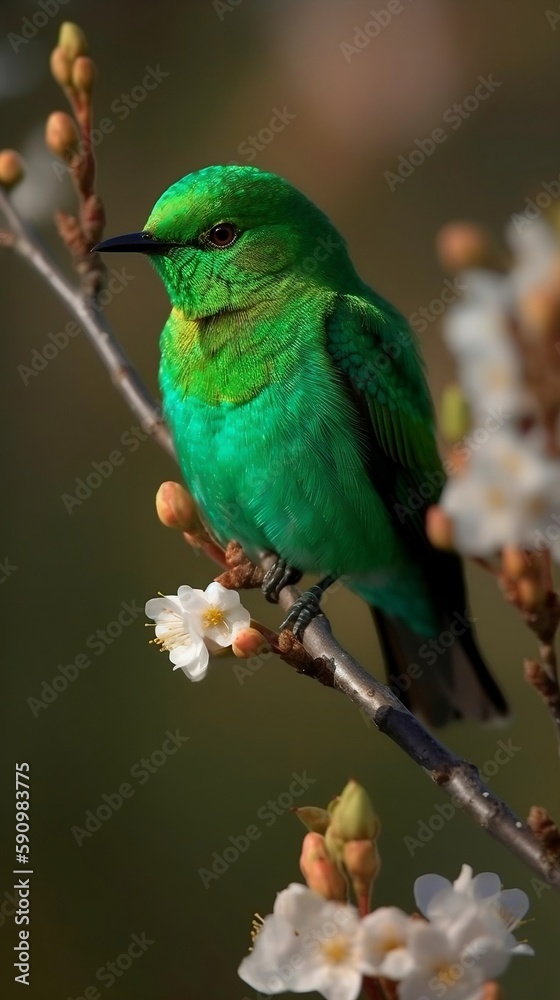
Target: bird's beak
134,243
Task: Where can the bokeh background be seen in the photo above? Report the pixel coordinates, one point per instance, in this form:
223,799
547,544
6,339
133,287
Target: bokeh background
230,66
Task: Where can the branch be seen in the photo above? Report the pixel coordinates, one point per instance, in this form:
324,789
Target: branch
93,323
458,777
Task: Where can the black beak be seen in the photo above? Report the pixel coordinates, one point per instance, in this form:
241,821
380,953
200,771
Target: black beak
135,243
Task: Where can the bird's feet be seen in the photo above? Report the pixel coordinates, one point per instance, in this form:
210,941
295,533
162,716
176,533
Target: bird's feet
279,575
306,608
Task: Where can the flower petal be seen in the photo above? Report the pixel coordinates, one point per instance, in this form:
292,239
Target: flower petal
336,983
513,904
426,888
158,607
485,885
223,597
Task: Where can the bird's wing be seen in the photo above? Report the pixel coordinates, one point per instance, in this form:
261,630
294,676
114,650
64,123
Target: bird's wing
376,354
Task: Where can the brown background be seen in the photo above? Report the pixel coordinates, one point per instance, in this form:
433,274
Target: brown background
139,872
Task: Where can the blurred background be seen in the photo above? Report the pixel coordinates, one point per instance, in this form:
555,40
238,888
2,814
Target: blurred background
353,113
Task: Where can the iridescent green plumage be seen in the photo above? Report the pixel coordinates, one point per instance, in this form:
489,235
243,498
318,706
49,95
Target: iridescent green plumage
301,415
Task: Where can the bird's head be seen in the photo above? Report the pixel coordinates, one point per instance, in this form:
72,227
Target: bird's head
228,237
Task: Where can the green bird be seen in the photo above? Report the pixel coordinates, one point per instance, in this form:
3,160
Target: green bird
303,424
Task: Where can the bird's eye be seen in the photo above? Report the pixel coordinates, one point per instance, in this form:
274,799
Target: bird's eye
222,235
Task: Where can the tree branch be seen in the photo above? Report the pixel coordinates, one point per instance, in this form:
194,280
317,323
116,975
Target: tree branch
458,777
93,323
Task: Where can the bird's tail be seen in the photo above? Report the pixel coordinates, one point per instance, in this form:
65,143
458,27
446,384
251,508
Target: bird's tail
442,679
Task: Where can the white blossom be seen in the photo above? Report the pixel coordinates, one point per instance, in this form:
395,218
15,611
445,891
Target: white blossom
307,943
194,623
439,900
509,494
216,613
477,331
457,955
385,934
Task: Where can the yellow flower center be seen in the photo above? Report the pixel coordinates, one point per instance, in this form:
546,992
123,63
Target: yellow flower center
448,975
496,497
535,505
174,635
390,943
336,950
497,377
213,618
257,925
509,919
512,463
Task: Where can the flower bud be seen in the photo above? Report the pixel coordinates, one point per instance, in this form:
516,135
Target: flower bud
334,844
530,593
491,991
249,642
439,528
313,818
61,66
462,245
72,39
455,418
11,168
61,135
83,74
319,871
176,508
515,562
362,862
353,817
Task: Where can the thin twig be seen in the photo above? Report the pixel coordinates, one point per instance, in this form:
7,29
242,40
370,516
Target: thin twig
458,777
94,325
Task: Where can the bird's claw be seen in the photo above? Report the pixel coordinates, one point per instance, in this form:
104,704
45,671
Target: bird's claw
278,576
303,611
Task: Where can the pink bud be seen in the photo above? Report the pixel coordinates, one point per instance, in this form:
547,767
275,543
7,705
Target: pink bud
462,245
61,66
61,136
11,168
83,74
177,509
439,528
319,871
249,642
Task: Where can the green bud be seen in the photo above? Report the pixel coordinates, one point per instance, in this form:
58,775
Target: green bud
72,40
455,418
353,817
315,819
